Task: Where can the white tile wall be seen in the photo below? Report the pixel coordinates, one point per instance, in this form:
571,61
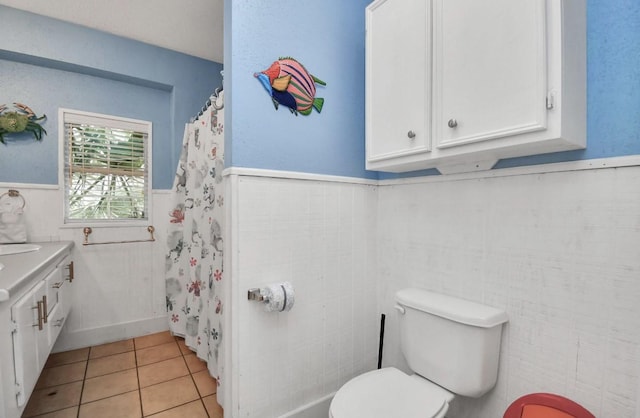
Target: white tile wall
119,291
320,236
560,252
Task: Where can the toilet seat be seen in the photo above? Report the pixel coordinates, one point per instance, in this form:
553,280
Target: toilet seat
388,393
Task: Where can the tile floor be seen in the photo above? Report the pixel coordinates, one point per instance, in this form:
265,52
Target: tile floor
151,376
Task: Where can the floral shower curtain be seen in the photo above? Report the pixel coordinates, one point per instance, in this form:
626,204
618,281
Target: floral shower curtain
194,261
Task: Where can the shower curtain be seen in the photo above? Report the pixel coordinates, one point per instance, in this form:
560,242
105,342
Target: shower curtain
194,260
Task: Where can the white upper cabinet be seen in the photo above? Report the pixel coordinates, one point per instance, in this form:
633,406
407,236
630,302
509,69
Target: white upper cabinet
490,69
398,79
501,78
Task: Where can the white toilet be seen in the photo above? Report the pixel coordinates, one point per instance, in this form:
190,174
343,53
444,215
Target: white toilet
453,347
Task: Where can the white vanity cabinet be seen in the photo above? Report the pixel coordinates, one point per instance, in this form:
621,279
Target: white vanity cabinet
58,286
460,84
30,340
34,305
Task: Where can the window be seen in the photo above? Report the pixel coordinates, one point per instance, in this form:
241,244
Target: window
107,173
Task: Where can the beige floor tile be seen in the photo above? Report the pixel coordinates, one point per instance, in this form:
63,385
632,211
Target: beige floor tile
52,399
115,393
63,413
60,375
206,384
111,364
153,339
183,346
162,371
109,385
73,356
191,410
111,348
194,363
168,395
157,353
126,405
214,410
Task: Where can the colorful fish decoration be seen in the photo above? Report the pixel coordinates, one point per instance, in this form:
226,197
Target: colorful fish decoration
290,84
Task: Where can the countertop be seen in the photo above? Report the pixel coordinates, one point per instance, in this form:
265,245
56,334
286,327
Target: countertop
19,269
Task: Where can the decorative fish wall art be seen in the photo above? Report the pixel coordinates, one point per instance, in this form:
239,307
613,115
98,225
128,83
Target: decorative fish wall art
289,84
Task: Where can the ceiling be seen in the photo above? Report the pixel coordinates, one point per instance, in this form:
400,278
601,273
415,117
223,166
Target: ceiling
193,27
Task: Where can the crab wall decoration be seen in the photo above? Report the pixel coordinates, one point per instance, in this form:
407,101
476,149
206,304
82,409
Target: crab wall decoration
22,120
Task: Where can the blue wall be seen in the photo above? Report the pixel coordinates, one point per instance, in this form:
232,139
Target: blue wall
328,38
47,64
613,85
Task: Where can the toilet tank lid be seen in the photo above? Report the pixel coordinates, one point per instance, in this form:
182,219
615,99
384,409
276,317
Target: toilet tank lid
452,308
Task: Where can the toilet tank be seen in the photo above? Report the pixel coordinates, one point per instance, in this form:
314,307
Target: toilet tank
452,342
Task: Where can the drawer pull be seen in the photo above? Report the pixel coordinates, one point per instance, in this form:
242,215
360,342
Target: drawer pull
452,123
40,321
45,313
59,322
70,268
57,285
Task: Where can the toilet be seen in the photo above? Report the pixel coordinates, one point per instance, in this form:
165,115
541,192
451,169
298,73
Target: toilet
451,345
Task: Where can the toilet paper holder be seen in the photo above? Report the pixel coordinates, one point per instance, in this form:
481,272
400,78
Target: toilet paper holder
255,294
276,297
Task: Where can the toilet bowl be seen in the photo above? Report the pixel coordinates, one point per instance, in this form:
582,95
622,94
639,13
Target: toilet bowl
452,345
390,393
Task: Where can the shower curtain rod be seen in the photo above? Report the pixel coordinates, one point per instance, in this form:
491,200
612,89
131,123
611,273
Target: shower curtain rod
212,100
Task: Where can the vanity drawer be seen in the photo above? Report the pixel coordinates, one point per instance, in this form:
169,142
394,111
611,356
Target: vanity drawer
53,283
57,282
57,318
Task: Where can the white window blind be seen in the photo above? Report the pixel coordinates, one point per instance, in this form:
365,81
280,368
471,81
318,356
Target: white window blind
106,168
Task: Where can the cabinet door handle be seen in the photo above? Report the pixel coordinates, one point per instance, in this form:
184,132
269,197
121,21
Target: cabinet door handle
57,285
452,123
40,321
411,134
45,310
70,268
59,322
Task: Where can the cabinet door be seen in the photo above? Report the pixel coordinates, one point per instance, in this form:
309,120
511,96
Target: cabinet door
490,69
54,282
398,75
57,318
30,340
